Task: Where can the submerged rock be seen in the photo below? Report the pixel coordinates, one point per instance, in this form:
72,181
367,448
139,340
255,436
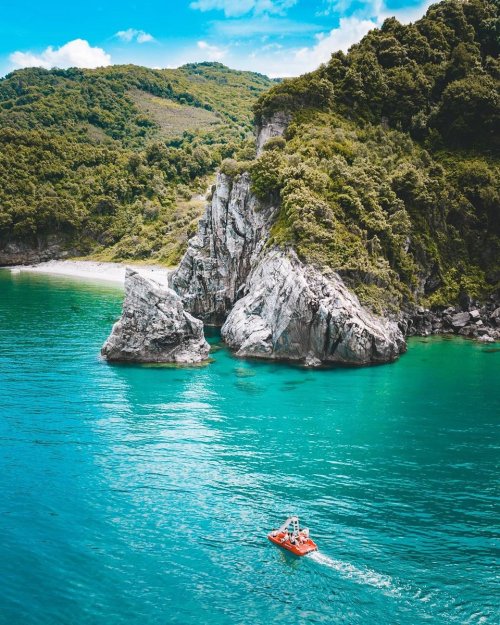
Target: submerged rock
293,311
154,327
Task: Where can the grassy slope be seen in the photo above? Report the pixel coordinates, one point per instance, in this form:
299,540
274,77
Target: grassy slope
390,171
109,159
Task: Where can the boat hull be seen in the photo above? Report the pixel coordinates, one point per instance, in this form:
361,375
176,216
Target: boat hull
297,548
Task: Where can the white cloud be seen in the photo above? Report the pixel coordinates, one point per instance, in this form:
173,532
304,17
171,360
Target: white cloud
351,29
132,34
377,10
236,8
76,53
212,53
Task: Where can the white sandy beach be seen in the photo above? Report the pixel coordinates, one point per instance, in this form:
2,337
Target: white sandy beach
93,270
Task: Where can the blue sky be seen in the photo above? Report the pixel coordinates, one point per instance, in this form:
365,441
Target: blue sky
274,37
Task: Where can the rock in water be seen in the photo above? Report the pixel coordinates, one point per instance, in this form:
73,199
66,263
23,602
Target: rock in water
154,327
293,311
273,305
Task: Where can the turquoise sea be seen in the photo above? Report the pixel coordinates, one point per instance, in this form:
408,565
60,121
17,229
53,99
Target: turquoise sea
143,495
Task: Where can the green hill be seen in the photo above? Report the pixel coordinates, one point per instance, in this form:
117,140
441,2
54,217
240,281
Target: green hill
107,161
390,169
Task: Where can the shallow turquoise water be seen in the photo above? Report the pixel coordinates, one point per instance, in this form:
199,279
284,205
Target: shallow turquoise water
142,495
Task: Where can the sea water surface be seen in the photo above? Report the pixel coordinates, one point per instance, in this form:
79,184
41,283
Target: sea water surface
143,495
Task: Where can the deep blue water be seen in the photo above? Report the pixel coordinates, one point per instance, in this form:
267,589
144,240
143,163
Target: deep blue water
143,495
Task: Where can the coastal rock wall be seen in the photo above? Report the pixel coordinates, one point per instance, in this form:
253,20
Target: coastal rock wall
292,311
219,258
37,250
271,304
154,327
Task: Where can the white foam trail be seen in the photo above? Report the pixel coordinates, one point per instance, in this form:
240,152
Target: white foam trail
360,576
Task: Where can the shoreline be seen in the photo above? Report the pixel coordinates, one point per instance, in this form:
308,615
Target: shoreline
113,273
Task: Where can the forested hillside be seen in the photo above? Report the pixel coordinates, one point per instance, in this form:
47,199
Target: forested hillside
107,161
389,172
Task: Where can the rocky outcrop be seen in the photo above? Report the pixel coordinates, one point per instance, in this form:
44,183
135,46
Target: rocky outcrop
271,304
37,250
154,327
219,258
275,126
293,311
471,320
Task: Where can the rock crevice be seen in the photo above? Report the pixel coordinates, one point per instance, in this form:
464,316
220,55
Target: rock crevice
219,258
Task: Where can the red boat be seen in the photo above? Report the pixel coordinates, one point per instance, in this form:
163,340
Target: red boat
292,538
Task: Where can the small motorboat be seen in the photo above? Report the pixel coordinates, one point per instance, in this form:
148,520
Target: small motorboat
292,538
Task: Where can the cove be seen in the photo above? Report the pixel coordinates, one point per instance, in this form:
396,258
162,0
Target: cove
144,494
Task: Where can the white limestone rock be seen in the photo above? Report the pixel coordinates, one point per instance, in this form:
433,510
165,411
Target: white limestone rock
154,327
275,126
292,311
219,258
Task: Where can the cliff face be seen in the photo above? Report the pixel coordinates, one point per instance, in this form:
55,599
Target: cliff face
230,237
275,126
37,250
272,305
154,327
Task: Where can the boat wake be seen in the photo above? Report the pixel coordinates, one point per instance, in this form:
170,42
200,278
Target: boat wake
360,576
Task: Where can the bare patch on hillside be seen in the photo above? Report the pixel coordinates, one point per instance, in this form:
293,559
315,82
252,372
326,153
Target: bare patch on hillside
171,117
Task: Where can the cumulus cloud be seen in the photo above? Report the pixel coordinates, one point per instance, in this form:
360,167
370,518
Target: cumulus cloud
236,8
132,34
76,53
351,29
211,53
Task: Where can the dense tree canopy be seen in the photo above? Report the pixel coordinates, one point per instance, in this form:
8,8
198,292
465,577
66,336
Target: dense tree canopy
439,74
390,171
110,158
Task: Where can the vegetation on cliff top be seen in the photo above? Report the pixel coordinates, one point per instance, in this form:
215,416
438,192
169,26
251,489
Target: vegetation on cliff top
109,159
390,172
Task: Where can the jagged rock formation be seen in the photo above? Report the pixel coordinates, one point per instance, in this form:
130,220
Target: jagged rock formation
219,258
154,327
276,307
273,305
292,311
